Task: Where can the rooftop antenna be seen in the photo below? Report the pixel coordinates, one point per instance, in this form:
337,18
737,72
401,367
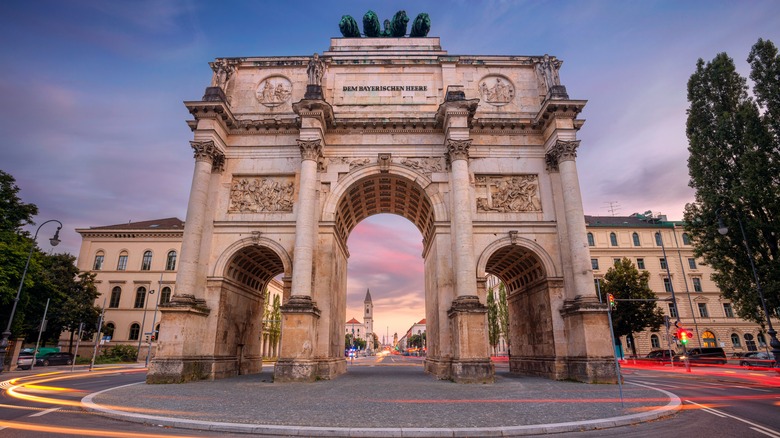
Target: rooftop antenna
613,207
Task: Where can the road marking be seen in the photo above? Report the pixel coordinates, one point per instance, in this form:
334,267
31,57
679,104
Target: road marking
754,426
752,389
653,383
47,411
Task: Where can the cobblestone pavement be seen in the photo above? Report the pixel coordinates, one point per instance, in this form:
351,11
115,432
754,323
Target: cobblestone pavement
370,395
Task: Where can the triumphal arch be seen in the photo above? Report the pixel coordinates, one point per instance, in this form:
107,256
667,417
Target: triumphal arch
292,152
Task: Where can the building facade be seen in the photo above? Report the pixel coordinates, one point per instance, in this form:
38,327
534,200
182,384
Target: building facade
654,244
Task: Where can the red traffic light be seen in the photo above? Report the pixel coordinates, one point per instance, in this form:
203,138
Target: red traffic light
684,335
611,301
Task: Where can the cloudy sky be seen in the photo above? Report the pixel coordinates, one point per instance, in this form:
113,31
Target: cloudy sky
93,123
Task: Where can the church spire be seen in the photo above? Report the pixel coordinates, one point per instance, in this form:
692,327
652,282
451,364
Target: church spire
368,297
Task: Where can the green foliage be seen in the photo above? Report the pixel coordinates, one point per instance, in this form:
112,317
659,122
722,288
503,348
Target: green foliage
78,306
503,312
417,341
272,317
624,281
14,214
492,314
121,353
358,343
734,165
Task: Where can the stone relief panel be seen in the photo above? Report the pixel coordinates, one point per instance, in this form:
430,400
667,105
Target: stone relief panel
426,165
274,91
261,194
496,90
508,194
353,162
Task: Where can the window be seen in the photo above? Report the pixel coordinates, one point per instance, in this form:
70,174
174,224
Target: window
696,284
116,294
761,340
686,239
98,261
140,297
165,296
703,310
654,342
635,237
594,263
658,241
108,330
613,239
727,310
750,343
692,263
663,263
667,285
146,263
170,262
735,341
121,265
615,261
672,310
640,263
590,240
135,331
708,339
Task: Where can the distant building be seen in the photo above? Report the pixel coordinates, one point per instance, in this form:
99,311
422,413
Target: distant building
416,329
368,317
355,328
711,318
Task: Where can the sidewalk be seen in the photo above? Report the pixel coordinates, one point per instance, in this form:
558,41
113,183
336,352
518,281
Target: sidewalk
384,401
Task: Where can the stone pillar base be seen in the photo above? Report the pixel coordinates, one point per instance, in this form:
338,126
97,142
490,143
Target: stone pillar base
473,371
591,369
308,370
440,368
188,369
547,367
471,358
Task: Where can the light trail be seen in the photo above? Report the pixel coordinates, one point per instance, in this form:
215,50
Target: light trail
79,431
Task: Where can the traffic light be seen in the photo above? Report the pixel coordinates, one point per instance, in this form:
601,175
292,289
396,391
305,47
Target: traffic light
684,335
611,301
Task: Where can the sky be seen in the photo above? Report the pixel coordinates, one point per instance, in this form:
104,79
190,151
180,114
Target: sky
93,125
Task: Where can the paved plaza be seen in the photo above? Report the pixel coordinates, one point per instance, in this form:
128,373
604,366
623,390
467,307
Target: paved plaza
373,399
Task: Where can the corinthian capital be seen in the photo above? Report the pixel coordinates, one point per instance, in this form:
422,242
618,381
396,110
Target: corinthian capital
310,149
206,151
458,149
564,150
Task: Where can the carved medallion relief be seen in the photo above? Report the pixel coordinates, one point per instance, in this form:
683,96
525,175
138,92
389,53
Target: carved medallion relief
259,194
508,194
274,91
496,90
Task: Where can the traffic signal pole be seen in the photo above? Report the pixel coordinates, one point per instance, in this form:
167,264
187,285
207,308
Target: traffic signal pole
610,304
660,239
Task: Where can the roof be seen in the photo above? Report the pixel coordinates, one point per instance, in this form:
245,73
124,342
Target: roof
422,321
636,220
353,321
368,297
171,223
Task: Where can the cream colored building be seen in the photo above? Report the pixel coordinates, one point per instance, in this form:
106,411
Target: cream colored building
136,266
711,318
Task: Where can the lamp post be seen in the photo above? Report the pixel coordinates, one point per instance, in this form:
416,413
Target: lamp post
54,241
723,230
143,322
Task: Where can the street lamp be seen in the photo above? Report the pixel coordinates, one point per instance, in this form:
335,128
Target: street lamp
143,322
54,241
723,230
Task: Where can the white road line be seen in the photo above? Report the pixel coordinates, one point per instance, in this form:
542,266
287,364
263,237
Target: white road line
754,426
752,389
47,411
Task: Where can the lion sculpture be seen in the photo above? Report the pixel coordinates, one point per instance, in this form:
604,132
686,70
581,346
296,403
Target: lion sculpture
349,27
421,26
371,25
398,24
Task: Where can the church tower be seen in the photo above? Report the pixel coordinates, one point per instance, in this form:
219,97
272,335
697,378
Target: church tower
368,320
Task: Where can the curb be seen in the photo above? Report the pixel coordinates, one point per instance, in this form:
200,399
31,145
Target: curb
312,431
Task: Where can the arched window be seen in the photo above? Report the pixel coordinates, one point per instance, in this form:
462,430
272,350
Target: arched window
761,340
121,264
165,296
108,330
686,239
635,237
654,342
735,341
146,263
135,331
613,239
750,343
591,242
708,339
140,298
170,262
116,294
98,261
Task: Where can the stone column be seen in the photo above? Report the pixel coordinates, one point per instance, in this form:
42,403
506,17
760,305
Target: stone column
462,227
305,222
206,155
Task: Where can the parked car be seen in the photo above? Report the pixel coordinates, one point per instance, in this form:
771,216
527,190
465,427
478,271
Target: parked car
58,358
661,356
25,360
704,356
757,359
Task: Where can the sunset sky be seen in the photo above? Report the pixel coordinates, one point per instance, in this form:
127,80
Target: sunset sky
93,123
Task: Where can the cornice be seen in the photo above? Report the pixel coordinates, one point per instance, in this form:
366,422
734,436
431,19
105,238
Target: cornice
212,110
130,234
552,109
467,108
318,109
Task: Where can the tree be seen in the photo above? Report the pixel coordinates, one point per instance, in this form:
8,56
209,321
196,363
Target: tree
624,281
492,312
14,214
77,307
734,166
503,313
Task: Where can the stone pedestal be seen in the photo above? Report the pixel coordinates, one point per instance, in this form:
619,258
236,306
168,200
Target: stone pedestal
590,357
471,359
299,320
214,94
